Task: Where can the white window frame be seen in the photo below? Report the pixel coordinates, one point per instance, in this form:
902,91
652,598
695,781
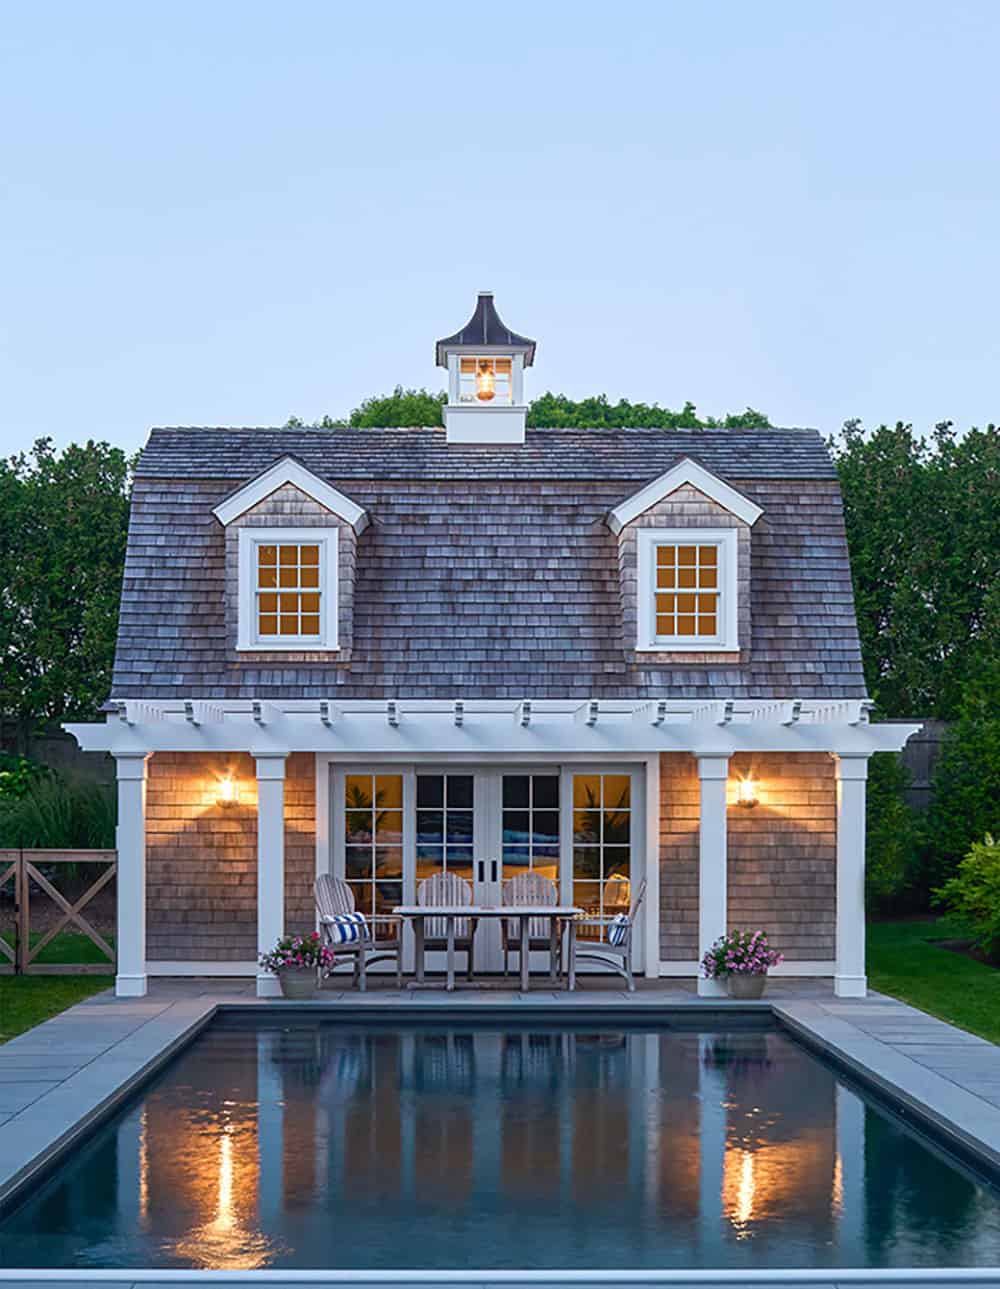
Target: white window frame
327,541
491,358
726,639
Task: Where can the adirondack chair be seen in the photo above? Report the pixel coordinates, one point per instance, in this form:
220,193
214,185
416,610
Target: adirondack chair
438,891
531,888
615,957
383,943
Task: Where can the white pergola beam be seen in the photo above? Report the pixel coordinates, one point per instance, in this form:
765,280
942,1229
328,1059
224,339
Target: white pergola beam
588,713
458,712
522,713
719,712
392,713
328,712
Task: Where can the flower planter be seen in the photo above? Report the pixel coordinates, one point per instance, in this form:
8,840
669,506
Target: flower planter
298,982
743,984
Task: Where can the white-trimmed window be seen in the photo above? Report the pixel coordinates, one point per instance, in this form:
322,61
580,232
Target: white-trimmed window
287,588
485,381
687,589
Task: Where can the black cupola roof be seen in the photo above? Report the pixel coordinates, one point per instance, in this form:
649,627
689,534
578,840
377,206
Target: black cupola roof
485,328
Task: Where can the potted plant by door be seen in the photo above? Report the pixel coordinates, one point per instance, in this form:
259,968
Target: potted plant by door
741,959
296,960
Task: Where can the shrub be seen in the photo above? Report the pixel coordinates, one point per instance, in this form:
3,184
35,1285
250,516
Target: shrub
17,774
893,832
966,801
57,813
972,896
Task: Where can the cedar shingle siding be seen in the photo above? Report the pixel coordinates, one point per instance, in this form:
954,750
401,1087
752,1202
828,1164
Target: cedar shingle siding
486,571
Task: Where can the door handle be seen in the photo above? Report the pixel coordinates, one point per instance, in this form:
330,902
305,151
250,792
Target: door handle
482,870
493,875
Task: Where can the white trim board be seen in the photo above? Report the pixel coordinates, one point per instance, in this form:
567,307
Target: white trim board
212,968
681,970
288,470
684,472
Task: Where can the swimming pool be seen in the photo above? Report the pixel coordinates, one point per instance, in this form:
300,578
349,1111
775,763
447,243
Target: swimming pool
269,1145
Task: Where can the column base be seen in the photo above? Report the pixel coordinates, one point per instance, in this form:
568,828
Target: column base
268,986
711,988
130,986
850,986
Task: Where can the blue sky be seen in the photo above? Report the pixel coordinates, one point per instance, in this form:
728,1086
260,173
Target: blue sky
227,213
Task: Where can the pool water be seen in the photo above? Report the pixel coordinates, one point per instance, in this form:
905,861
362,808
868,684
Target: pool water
328,1145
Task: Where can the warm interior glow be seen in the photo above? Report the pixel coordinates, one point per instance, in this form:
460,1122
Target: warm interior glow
746,792
486,384
227,791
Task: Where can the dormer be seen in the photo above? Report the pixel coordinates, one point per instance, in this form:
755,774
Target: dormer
485,362
290,547
684,562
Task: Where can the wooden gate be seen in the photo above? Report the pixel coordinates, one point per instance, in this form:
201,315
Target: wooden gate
29,878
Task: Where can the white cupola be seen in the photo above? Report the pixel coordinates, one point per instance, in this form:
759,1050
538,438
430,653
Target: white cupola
485,362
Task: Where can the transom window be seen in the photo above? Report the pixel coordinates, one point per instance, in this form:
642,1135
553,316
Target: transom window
485,380
687,584
687,591
288,590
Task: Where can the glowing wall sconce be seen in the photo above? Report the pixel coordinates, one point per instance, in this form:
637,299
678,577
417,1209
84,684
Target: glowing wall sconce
227,794
746,793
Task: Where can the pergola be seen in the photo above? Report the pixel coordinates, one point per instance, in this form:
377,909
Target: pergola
497,730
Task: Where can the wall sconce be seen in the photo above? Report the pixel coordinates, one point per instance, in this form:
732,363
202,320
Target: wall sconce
746,793
227,794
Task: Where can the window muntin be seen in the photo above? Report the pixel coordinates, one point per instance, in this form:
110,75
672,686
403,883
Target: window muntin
373,840
602,837
288,591
485,381
530,823
686,591
445,835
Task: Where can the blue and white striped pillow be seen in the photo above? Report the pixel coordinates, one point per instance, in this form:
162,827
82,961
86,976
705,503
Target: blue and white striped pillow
346,928
618,930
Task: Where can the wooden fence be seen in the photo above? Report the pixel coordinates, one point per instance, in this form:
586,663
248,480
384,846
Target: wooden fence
29,878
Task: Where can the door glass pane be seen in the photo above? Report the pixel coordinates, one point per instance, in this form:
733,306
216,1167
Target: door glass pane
601,836
430,790
430,827
373,830
515,792
363,897
459,827
459,792
530,824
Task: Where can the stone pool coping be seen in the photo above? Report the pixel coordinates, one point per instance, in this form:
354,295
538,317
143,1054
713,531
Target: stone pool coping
61,1078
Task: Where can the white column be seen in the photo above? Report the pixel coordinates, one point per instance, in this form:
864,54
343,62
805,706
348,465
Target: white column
713,771
650,915
850,980
130,842
270,862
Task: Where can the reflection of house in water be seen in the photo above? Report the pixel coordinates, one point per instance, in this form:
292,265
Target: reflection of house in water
323,1146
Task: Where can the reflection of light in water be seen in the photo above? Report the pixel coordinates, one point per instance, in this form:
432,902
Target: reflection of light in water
837,1204
743,1210
223,1243
143,1168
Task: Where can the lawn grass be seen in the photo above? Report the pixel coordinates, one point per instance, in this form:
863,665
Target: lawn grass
903,961
28,1000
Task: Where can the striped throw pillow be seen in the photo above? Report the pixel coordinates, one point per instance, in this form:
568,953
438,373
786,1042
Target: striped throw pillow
618,930
346,928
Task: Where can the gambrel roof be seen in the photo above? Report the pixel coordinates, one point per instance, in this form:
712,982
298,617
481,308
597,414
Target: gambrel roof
486,571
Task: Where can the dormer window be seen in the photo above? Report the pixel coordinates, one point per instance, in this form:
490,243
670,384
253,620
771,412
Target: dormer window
485,380
288,588
288,592
687,586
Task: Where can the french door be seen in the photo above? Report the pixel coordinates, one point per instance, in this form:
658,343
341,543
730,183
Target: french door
578,826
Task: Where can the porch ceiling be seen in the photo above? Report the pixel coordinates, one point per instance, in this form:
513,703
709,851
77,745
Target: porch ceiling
469,729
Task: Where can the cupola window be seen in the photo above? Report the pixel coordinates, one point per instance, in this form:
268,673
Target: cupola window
485,380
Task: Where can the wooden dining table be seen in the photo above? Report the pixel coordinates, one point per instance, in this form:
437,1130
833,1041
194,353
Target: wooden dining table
521,913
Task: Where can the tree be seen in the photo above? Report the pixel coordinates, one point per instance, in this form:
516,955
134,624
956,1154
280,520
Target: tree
408,407
923,527
63,524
